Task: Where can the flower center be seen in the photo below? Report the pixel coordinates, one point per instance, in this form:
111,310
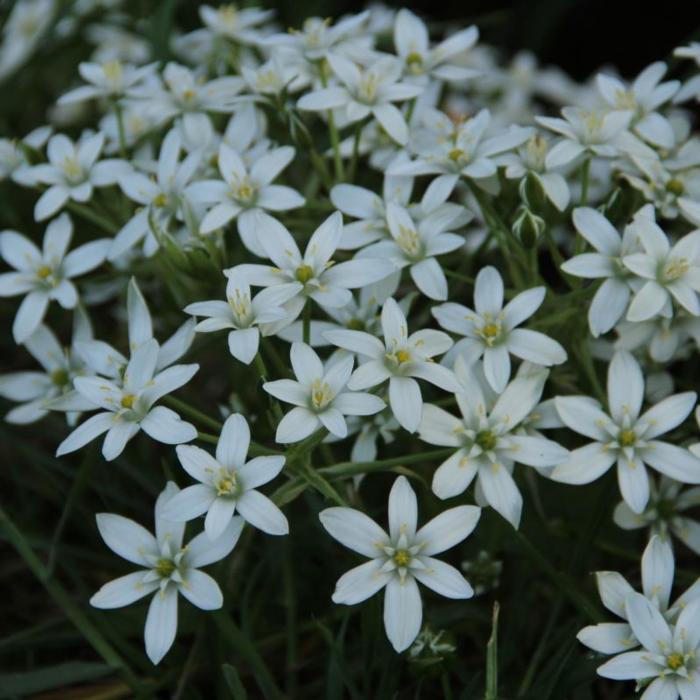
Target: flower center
486,440
626,438
245,192
402,558
72,170
165,568
414,63
368,88
355,324
624,99
128,400
240,307
490,332
59,377
113,71
321,394
227,485
675,661
675,269
409,241
304,273
160,200
675,186
43,272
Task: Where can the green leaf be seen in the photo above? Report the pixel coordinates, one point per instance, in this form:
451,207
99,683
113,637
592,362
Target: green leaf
233,681
492,658
23,683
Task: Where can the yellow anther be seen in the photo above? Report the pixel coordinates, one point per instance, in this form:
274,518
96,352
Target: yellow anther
128,400
43,272
627,438
675,661
403,356
402,558
304,273
675,186
160,200
165,568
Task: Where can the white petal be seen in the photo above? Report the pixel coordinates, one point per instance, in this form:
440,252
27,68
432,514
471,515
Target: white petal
201,590
597,230
166,426
260,470
630,666
488,291
608,306
198,463
85,432
443,579
430,279
403,612
647,623
360,583
117,436
625,386
123,591
501,492
673,461
406,402
584,464
614,590
454,475
634,483
668,414
535,347
403,509
219,516
262,513
127,538
447,529
608,637
189,503
30,314
161,624
354,530
296,425
657,571
232,447
202,551
355,403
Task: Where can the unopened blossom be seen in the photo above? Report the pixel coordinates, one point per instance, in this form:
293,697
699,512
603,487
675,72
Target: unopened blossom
72,172
401,359
238,24
606,262
242,314
585,131
626,438
665,513
530,159
365,92
45,275
671,272
161,199
420,61
658,568
453,150
489,439
314,275
109,80
243,192
320,396
167,568
491,330
36,391
129,405
415,245
227,484
643,98
656,645
400,559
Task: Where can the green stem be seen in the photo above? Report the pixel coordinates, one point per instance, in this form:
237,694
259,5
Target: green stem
192,412
355,150
92,217
352,468
492,658
307,321
262,371
64,601
120,127
585,177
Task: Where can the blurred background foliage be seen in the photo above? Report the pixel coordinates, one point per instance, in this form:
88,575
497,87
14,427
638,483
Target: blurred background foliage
280,635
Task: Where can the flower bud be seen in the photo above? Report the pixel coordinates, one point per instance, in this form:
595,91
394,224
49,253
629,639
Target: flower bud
528,227
532,192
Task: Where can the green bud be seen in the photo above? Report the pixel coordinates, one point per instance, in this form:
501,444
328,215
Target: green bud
528,227
532,193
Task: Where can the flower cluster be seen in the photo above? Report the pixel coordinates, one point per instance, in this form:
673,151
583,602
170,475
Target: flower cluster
401,238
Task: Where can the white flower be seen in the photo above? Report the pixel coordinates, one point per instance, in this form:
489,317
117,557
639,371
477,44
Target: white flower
584,131
183,94
319,396
657,581
400,559
671,272
612,297
668,659
643,98
105,360
45,275
313,275
415,245
664,513
22,29
531,158
489,440
129,406
13,158
241,313
230,22
244,192
491,330
73,171
269,78
444,147
364,92
36,391
401,358
162,198
625,437
420,62
227,484
110,79
167,568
